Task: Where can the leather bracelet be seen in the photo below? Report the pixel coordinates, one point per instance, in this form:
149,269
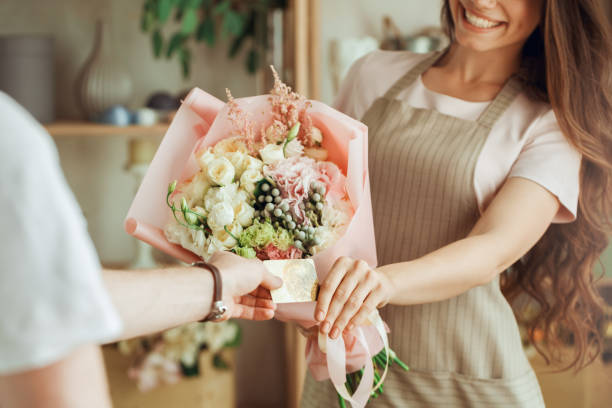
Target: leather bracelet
218,309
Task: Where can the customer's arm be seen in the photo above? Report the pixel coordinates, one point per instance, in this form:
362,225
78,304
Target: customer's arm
152,300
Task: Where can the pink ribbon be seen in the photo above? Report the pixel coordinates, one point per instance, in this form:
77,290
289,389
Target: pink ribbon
346,354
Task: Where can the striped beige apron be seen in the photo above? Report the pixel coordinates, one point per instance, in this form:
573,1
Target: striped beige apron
465,351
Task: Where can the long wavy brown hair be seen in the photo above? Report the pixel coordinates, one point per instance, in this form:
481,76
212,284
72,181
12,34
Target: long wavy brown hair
567,62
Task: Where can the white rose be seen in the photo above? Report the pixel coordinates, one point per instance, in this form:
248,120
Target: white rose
222,214
229,145
226,240
205,157
212,245
217,195
253,163
249,179
317,136
272,153
244,213
325,237
221,171
196,189
239,161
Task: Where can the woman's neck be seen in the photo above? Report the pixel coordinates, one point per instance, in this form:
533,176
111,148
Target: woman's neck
470,75
471,67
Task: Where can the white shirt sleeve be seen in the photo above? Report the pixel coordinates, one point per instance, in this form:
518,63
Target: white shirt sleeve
52,299
548,159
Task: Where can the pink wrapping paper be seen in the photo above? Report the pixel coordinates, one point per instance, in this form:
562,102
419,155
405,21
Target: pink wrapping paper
202,121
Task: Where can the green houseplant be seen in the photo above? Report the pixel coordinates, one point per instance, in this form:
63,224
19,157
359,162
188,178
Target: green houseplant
176,27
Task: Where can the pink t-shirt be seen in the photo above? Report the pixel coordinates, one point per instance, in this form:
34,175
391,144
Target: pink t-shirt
525,142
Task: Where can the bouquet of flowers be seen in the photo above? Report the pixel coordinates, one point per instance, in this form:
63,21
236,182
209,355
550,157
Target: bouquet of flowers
267,194
275,177
167,357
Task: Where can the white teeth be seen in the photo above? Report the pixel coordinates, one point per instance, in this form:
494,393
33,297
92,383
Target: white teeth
479,22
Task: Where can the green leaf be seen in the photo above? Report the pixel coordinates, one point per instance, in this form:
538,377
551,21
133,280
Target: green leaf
147,19
236,341
190,22
194,3
158,43
185,56
222,7
252,61
175,43
164,7
206,31
233,23
236,45
219,362
191,371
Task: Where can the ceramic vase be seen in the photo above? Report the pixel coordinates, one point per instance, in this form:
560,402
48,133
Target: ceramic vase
102,82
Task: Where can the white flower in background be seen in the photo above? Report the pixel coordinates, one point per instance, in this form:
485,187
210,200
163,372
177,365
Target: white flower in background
221,171
249,179
230,145
216,195
244,213
156,369
222,214
130,346
204,158
218,334
225,239
272,153
294,148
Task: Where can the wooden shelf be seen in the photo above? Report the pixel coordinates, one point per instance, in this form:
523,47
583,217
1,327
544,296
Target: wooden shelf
90,129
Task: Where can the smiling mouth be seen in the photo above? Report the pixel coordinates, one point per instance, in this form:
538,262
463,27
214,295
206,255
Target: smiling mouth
480,22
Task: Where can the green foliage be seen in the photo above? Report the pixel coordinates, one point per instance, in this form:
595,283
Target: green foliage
244,23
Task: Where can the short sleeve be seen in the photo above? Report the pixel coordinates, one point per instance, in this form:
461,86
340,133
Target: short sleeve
349,99
548,159
52,298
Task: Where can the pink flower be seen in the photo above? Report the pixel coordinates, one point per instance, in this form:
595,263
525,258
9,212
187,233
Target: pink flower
271,252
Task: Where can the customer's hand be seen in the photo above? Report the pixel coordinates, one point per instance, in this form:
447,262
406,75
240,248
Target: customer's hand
246,286
349,294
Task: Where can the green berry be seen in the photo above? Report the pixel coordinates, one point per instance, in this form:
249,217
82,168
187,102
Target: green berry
265,187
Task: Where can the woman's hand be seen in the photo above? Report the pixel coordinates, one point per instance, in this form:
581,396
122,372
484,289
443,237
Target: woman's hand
349,294
246,287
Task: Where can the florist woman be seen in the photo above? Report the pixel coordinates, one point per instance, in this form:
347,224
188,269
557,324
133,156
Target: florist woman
491,176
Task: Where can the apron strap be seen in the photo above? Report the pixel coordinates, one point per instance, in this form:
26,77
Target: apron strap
491,113
407,80
501,102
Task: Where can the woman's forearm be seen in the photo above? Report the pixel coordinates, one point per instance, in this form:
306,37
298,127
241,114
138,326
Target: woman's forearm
149,301
446,272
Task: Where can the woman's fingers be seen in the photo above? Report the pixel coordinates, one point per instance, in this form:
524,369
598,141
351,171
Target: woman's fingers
353,278
354,303
366,309
253,308
329,286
